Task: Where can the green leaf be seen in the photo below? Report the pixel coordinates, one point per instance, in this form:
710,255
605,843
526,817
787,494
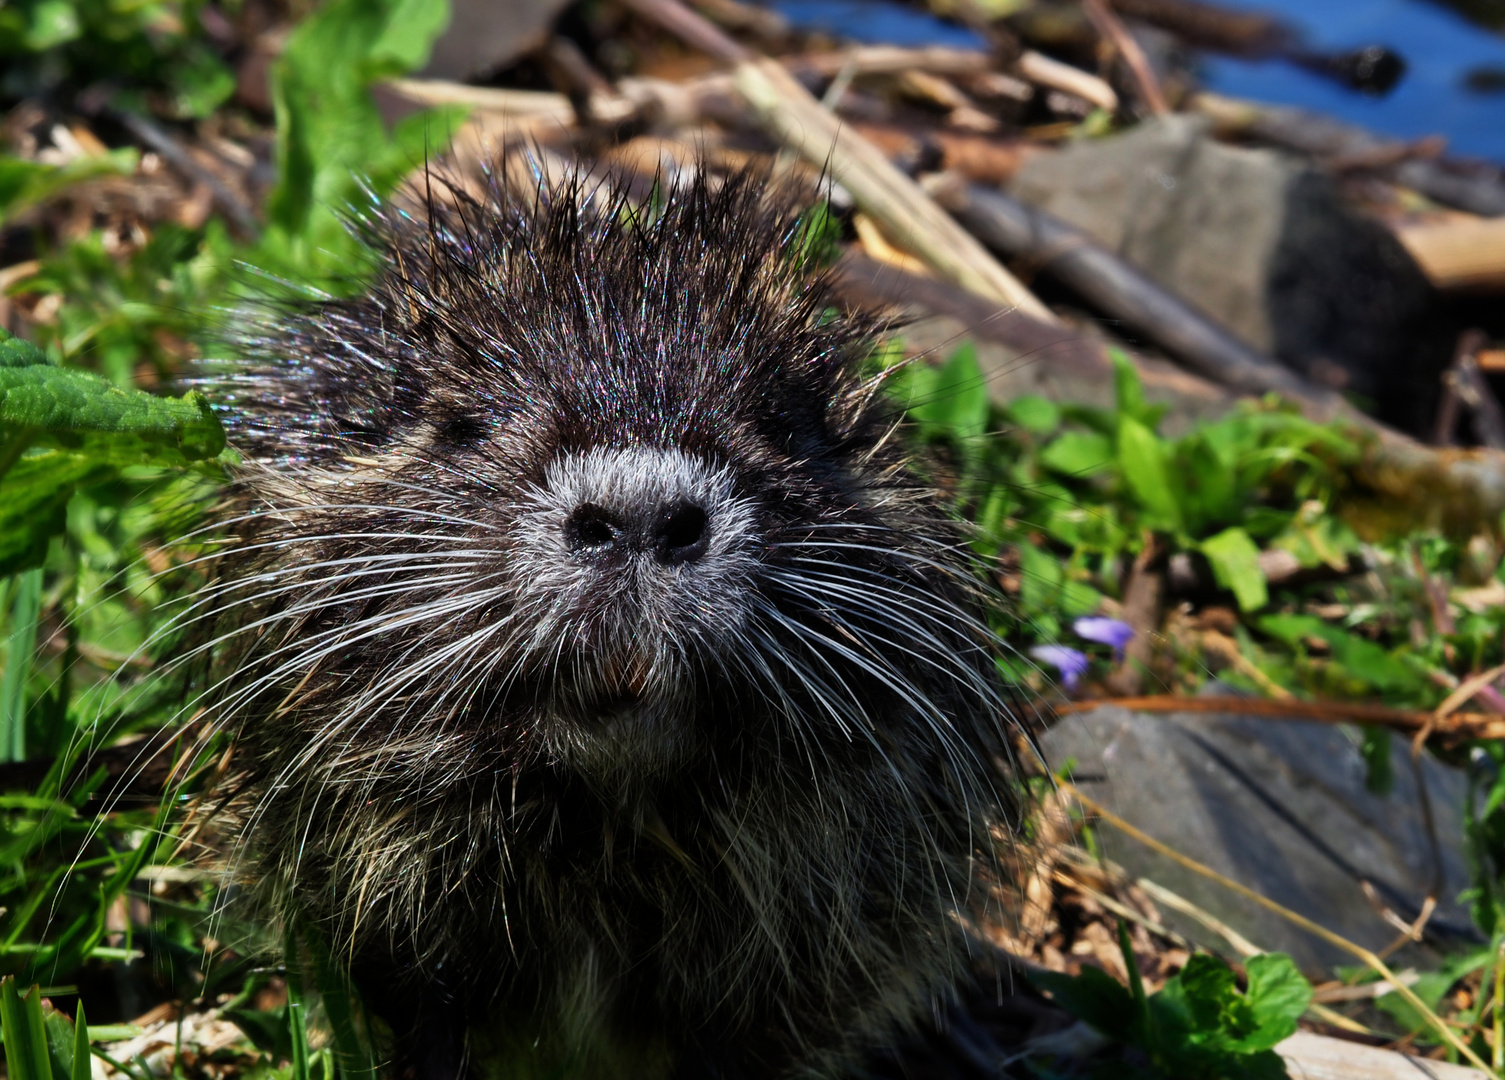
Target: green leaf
412,27
1129,392
1078,453
25,183
1036,415
956,404
1141,455
268,1031
1046,588
62,1043
200,83
53,23
25,1032
1235,565
19,353
1278,997
59,401
333,150
80,1069
1358,657
342,1008
1096,997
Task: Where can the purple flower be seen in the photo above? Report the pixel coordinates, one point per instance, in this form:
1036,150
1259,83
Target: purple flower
1071,663
1113,632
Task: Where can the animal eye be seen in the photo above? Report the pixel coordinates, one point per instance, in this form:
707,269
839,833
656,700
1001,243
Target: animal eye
462,431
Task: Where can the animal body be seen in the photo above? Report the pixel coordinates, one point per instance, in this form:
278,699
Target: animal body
603,686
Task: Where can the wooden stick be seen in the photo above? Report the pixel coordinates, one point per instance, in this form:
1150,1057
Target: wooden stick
788,111
907,215
1465,253
1112,28
1054,75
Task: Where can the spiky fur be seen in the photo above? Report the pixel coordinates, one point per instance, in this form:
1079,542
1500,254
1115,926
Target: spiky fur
725,819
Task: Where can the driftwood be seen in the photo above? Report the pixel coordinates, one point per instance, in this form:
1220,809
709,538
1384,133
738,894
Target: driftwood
788,111
1051,73
1473,186
1463,253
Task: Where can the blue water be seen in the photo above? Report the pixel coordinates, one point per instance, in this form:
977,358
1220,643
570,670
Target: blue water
876,22
1439,46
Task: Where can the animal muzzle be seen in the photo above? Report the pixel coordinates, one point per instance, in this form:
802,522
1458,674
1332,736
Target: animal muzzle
634,563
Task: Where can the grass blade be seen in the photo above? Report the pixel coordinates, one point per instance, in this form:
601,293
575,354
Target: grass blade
25,1032
80,1045
23,640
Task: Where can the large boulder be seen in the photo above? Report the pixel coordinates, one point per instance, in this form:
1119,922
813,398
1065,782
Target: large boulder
1266,246
1280,807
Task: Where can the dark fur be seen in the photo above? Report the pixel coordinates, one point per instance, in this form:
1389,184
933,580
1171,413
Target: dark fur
722,821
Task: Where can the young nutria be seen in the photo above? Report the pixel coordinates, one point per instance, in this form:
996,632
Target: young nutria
603,685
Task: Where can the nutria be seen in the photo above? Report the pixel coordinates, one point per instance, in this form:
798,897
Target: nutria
605,688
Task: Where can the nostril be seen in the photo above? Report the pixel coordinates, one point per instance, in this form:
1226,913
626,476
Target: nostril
682,534
590,529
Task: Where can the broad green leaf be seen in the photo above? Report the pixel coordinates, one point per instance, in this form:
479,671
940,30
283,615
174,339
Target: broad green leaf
66,1041
1046,588
1207,484
408,35
1040,578
1141,455
1359,657
200,82
333,149
61,402
1278,997
1235,565
1096,997
25,1032
53,23
957,403
1078,453
19,353
1036,415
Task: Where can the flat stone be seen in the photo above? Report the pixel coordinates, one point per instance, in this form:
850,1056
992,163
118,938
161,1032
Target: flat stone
485,36
1280,807
1266,246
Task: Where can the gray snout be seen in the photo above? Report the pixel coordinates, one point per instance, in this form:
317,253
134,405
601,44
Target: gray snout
670,532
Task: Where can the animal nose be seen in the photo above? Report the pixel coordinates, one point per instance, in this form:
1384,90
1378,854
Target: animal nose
670,534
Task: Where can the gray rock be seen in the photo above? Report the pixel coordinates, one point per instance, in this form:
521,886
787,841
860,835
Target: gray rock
1280,807
1262,244
485,36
